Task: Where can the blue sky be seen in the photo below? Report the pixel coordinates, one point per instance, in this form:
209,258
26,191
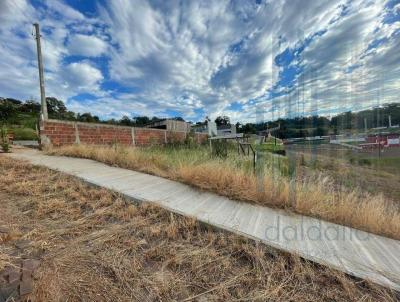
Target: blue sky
250,60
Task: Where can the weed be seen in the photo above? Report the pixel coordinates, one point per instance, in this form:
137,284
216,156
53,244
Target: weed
232,176
95,246
5,143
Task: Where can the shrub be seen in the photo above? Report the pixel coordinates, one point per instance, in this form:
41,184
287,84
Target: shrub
24,133
5,144
189,139
364,162
219,148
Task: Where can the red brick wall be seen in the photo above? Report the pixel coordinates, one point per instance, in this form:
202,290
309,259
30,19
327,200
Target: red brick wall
175,137
99,135
201,138
58,133
146,137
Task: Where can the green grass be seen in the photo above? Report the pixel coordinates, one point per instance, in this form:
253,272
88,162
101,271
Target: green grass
23,120
23,133
391,164
270,147
23,126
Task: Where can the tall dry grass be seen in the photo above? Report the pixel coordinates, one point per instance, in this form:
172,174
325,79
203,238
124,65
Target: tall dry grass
314,195
94,246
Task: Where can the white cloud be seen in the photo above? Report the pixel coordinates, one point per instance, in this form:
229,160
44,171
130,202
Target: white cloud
65,11
85,45
82,76
18,63
189,56
219,53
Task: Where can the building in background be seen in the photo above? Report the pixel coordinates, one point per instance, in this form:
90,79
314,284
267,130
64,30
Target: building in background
212,129
170,125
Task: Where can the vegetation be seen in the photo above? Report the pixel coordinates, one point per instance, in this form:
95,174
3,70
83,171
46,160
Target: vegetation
321,125
25,115
16,112
313,194
93,245
273,145
5,144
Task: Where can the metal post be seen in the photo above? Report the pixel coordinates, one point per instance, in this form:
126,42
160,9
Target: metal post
44,115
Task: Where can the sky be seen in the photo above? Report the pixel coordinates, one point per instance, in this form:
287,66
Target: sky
251,60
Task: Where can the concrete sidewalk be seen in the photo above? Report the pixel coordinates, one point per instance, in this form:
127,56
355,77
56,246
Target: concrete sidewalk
355,252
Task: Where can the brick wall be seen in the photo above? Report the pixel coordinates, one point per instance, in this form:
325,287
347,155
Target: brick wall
59,133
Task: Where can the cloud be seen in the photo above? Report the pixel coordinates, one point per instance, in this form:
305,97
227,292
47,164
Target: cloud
219,53
82,76
193,59
18,64
85,45
64,11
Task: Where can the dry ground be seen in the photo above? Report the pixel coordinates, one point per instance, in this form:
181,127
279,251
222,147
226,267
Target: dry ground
313,194
95,246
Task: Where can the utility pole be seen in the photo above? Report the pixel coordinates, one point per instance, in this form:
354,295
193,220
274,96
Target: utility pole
44,115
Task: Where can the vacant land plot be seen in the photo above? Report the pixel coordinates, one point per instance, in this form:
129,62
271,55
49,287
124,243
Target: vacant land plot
352,169
93,245
313,193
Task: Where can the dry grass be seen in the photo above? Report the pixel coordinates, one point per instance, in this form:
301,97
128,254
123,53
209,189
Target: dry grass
314,195
94,245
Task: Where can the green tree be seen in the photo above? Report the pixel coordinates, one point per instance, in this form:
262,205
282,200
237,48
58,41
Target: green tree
126,121
55,107
141,120
30,106
8,109
223,120
87,117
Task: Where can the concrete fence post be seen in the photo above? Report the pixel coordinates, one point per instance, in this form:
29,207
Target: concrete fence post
133,136
77,138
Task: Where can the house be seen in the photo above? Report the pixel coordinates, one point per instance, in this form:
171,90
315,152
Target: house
384,141
212,129
170,124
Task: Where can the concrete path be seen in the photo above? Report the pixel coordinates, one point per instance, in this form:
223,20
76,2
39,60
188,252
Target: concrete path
358,253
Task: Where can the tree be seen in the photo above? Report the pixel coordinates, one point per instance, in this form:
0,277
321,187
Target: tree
223,121
30,106
8,109
55,107
87,117
141,120
14,101
248,128
238,126
126,121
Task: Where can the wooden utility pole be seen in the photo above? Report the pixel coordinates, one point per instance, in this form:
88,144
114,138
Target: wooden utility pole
44,115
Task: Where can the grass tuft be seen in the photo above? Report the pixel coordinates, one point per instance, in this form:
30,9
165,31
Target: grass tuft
96,246
315,195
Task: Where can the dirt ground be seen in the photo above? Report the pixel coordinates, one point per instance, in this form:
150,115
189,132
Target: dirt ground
62,240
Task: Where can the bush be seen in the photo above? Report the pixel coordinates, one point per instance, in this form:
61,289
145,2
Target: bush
219,148
24,133
364,162
5,144
189,139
